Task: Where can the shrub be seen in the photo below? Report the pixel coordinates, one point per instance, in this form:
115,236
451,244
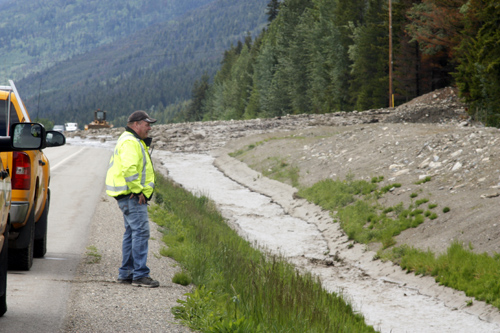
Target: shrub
421,201
425,180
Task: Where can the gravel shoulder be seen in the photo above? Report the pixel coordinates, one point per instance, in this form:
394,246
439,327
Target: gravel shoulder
99,304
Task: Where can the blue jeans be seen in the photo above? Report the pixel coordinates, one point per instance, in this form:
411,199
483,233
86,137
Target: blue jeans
135,239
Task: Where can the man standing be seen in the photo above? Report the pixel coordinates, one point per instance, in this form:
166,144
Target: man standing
130,180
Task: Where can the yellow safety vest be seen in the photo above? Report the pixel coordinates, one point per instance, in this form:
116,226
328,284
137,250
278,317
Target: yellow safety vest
130,169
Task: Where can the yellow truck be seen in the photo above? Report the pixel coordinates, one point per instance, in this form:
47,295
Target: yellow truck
22,137
30,176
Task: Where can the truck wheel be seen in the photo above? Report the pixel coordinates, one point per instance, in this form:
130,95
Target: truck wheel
3,273
41,232
22,259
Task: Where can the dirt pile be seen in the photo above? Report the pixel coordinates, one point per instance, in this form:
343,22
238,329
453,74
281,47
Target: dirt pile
441,106
431,136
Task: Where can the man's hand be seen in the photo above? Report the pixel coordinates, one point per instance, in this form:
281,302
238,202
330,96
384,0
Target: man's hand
142,198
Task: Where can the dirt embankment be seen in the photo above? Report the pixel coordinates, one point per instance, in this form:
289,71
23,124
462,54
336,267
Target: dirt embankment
429,136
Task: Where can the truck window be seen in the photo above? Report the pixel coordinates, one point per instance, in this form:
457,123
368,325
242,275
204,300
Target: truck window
3,117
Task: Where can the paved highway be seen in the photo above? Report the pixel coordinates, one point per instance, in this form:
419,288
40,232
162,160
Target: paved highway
36,299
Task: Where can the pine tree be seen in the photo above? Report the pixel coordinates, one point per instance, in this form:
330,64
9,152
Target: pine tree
289,83
435,24
264,70
348,15
195,112
369,56
407,74
478,75
237,88
272,10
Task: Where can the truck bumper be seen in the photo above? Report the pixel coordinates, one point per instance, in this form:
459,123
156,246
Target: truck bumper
20,238
18,211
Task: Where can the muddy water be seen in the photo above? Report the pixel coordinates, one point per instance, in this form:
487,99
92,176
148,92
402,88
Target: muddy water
387,306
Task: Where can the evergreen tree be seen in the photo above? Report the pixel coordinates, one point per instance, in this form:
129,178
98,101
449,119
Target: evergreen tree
323,40
369,56
478,75
348,15
264,70
216,103
407,60
435,24
237,88
195,112
289,83
272,10
213,105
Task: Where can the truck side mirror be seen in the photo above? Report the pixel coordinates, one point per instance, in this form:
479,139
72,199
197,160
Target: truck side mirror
54,139
27,136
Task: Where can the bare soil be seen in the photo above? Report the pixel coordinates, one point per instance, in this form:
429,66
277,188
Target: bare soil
429,136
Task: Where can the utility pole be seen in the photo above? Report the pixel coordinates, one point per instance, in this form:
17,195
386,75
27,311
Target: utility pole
391,98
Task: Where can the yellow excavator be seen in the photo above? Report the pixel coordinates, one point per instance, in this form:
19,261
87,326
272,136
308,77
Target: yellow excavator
99,120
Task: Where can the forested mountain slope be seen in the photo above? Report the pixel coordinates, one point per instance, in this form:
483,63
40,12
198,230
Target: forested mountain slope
35,35
149,69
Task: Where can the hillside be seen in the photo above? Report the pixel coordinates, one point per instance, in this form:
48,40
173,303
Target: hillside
150,65
37,35
429,136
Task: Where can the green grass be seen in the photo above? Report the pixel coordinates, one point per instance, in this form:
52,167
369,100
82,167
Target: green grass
389,187
238,288
425,180
377,179
279,169
365,221
93,255
421,201
361,217
246,149
478,275
256,144
182,278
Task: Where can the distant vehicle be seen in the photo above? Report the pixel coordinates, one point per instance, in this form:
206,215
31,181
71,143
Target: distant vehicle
70,127
58,128
99,120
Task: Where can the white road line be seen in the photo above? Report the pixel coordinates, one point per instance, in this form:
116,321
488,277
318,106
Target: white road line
52,168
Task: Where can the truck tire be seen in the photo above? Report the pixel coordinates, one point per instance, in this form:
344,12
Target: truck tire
21,259
3,273
41,232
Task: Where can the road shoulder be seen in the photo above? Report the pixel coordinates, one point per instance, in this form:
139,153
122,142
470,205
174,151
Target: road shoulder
99,304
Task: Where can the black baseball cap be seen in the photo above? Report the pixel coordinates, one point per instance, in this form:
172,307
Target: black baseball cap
140,115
